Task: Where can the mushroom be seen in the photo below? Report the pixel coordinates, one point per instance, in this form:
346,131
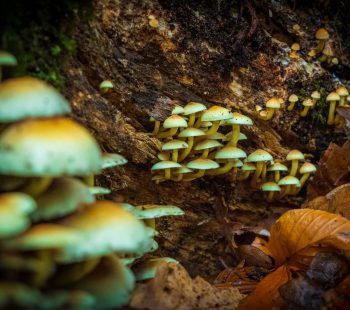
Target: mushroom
27,97
307,103
165,165
110,160
206,146
290,183
294,156
295,48
194,109
260,157
147,270
311,55
322,37
6,59
247,169
237,120
215,114
343,93
306,169
332,98
230,154
46,148
174,146
179,173
237,164
189,133
315,97
173,123
271,188
156,126
106,86
292,100
178,110
327,54
217,136
200,164
277,168
242,136
271,105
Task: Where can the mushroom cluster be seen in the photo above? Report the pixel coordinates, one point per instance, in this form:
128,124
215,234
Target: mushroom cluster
60,247
193,147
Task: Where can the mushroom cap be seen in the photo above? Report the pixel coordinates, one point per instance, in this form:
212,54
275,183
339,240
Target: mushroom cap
106,84
165,164
242,136
315,95
312,53
278,167
248,167
207,144
45,236
239,119
62,197
17,202
273,103
289,180
259,155
333,96
307,168
203,164
111,283
112,160
307,103
237,163
335,61
48,147
230,152
342,91
293,98
147,269
206,124
106,227
322,34
270,187
295,47
7,59
174,145
217,136
27,97
163,156
177,110
295,155
194,107
191,132
174,121
154,211
216,113
327,50
182,170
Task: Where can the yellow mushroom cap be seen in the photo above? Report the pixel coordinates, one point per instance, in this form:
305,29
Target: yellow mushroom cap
333,96
342,91
48,147
315,95
216,113
175,121
295,154
293,98
322,34
273,103
312,53
193,107
295,47
308,103
335,61
307,168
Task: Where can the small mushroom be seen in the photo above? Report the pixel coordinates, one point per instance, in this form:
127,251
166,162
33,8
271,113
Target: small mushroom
260,157
311,55
173,123
202,165
178,110
247,169
289,183
343,93
189,133
156,126
327,54
277,168
6,60
271,105
295,48
332,98
294,156
194,109
215,114
306,169
174,146
236,121
271,188
307,103
110,160
179,173
322,37
106,86
315,96
207,145
292,100
165,165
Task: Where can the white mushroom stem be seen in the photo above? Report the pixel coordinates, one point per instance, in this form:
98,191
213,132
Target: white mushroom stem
294,168
213,129
331,112
37,186
187,150
224,169
166,134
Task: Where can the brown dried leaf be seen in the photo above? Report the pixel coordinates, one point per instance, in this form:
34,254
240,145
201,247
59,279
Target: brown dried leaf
172,288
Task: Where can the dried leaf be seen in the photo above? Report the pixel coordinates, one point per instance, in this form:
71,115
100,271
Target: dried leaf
266,293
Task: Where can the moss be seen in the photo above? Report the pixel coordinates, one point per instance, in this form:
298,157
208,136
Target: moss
39,34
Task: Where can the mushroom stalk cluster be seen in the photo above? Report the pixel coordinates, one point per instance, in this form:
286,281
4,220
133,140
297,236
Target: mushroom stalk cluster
56,239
